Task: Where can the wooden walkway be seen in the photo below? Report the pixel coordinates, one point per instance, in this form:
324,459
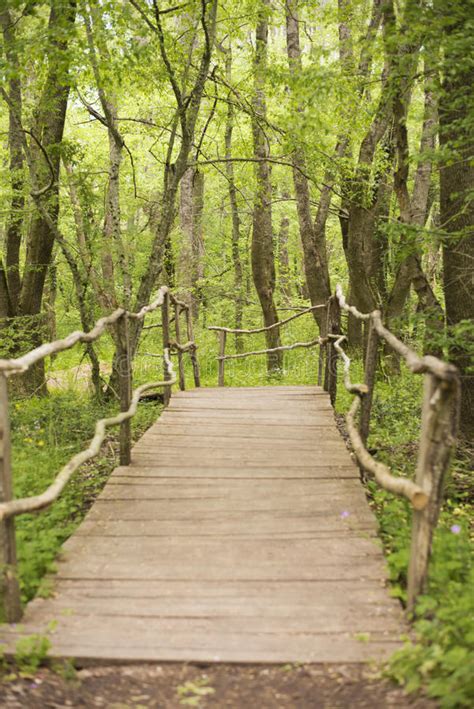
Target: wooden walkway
239,533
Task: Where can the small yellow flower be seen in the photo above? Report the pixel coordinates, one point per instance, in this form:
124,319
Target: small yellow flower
40,443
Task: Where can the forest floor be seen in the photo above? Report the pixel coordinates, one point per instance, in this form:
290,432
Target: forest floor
173,686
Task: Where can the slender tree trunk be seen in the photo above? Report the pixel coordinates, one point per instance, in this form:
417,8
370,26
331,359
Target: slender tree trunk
284,259
263,264
313,236
234,207
187,111
191,264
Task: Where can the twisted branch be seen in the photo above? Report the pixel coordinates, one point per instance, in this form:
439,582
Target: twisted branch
46,498
380,471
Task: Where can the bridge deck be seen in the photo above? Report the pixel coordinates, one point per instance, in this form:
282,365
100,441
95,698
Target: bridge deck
239,533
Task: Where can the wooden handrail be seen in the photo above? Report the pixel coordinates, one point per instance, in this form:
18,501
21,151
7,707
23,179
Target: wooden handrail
23,363
282,348
26,505
236,331
10,606
224,331
417,364
438,422
380,471
437,439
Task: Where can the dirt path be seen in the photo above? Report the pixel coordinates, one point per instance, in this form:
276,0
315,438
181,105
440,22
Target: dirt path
173,686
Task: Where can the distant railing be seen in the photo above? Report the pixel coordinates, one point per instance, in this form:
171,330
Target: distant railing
438,425
10,605
318,341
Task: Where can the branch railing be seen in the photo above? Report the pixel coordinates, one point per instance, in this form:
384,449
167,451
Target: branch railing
10,603
438,424
332,328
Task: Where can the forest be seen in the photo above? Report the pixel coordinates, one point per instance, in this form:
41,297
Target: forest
252,156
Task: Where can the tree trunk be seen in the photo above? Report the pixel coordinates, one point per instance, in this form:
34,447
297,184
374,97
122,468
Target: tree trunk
187,111
236,226
284,259
263,264
457,205
191,265
48,130
313,236
12,283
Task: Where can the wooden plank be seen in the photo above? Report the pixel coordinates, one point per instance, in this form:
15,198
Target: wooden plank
264,431
319,470
144,640
232,491
213,440
263,614
238,487
298,592
273,418
222,457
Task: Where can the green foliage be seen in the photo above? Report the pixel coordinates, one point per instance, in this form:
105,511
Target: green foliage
47,432
441,659
191,693
30,652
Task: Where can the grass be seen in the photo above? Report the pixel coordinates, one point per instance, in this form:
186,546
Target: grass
46,433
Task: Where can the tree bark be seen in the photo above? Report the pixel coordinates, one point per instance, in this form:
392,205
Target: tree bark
283,257
234,208
43,157
262,257
187,112
457,204
12,282
191,265
313,236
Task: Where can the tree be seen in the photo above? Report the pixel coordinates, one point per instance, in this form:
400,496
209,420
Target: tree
263,262
313,235
22,284
456,114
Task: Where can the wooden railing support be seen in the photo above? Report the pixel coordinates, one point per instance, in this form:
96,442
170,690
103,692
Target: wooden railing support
438,431
192,352
321,365
125,388
371,356
332,328
165,330
222,340
181,380
10,603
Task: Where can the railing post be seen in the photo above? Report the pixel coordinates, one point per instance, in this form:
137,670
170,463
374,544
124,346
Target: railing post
182,383
125,388
165,329
371,356
10,604
192,352
333,328
438,431
222,340
321,364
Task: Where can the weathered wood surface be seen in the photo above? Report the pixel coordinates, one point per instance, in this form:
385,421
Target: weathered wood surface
239,533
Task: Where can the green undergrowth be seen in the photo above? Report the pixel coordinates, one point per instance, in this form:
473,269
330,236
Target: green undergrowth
440,658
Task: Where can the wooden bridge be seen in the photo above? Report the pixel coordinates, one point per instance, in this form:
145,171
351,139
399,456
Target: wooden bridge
239,530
